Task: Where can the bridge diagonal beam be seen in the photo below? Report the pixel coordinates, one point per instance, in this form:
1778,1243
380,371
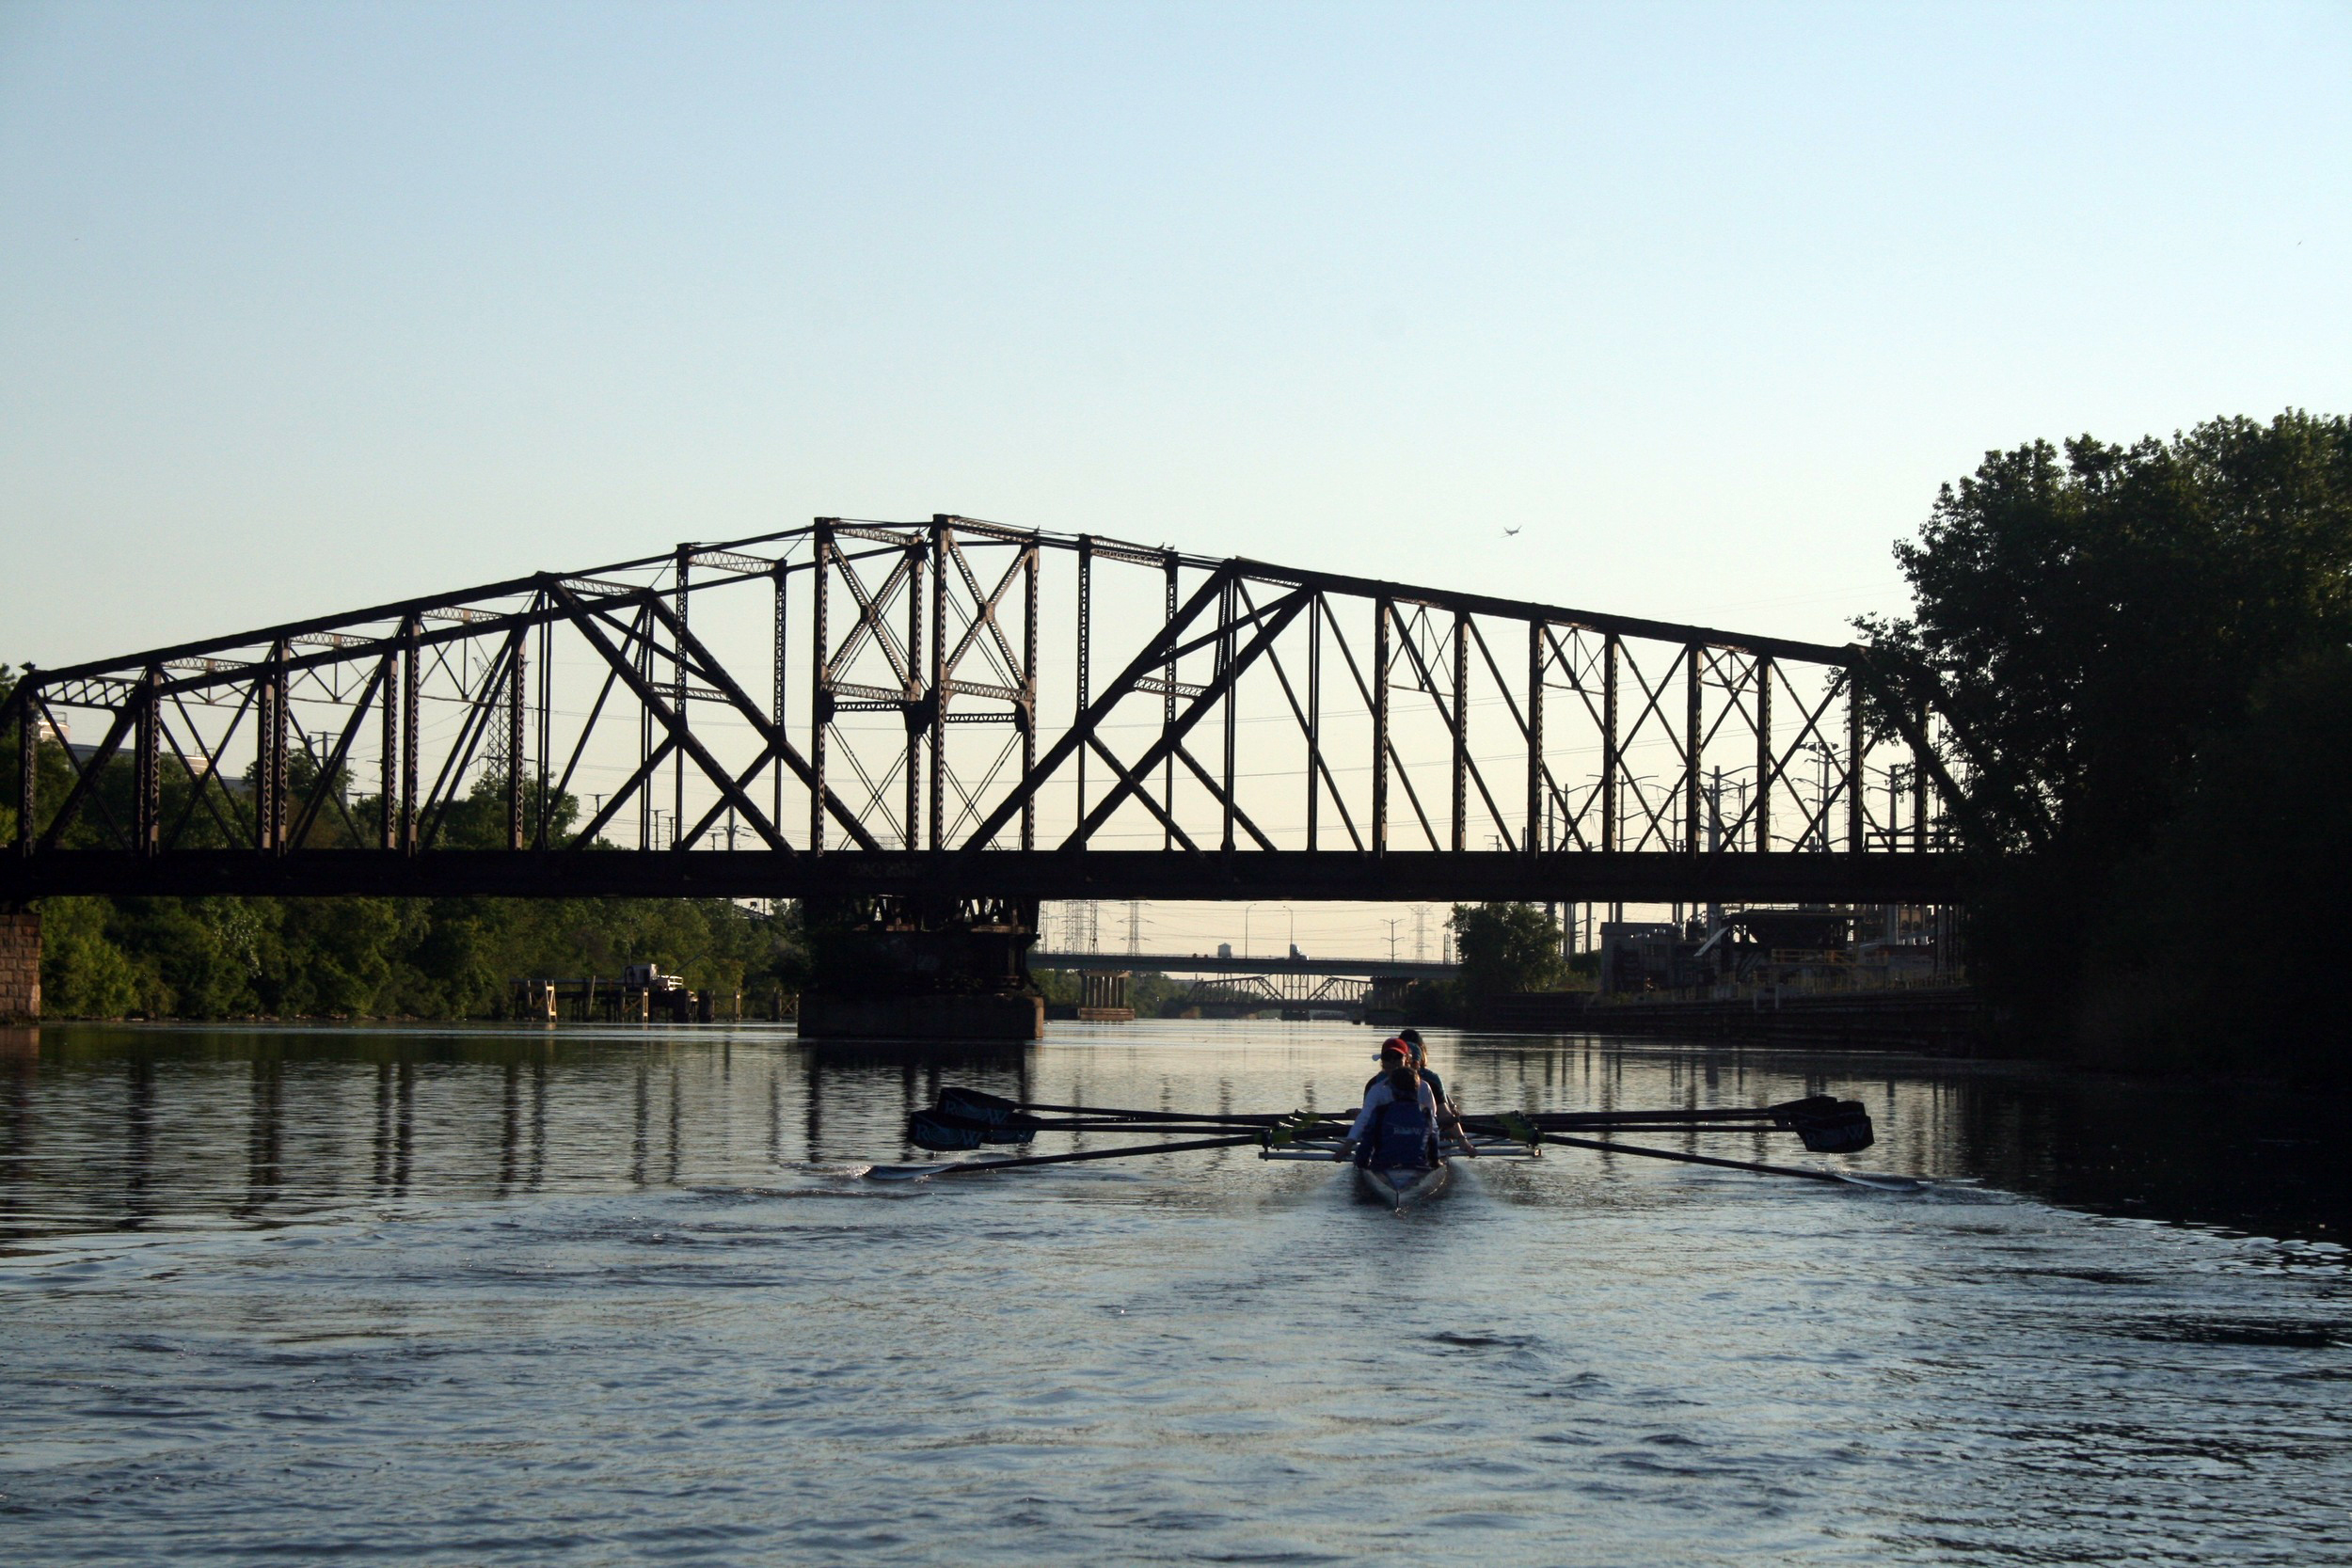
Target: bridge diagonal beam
669,717
1530,734
1807,724
772,735
1160,814
1154,653
200,791
198,795
970,798
1555,655
587,728
1426,681
1219,684
1389,754
480,707
1223,798
1817,818
585,837
1653,817
86,777
2035,817
323,788
984,615
1317,763
720,807
314,804
871,609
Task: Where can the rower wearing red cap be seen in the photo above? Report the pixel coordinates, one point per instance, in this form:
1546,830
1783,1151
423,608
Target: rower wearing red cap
1404,1112
1417,1055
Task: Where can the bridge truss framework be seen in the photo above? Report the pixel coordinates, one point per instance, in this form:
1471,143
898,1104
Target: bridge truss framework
854,709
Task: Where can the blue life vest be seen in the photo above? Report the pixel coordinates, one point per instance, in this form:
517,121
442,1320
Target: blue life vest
1402,1135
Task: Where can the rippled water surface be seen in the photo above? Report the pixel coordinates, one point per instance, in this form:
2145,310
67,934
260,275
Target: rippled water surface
591,1297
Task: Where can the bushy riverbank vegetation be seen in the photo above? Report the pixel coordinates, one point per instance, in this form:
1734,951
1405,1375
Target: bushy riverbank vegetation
386,957
2147,645
366,958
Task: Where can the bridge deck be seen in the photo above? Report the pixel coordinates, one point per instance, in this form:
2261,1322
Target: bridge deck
1396,877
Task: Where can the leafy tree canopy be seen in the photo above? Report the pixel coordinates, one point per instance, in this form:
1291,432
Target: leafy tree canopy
2093,615
1504,948
2101,621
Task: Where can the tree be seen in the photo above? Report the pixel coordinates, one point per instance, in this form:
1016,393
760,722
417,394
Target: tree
2219,949
2095,621
1504,948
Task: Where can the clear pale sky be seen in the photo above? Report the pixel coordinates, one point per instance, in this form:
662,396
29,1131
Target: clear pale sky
311,305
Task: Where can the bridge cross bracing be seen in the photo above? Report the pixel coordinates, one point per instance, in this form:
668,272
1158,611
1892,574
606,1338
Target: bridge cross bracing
962,709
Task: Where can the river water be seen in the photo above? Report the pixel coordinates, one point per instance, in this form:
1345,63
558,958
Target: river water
588,1296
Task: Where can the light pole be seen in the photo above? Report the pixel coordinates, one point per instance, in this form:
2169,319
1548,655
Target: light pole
1294,929
1245,927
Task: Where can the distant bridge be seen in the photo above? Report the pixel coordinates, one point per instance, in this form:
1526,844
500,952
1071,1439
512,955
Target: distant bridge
961,710
1210,963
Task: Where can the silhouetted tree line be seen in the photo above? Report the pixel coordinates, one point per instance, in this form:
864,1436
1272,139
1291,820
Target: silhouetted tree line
2149,648
361,958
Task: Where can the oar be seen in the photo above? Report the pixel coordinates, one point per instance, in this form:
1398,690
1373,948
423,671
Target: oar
1892,1183
1113,1112
993,1107
1614,1124
1826,1126
910,1173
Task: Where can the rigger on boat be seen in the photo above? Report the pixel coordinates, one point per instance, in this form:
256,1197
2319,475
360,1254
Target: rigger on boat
967,1120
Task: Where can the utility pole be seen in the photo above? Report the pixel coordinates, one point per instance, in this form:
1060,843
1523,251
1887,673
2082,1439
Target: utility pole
1715,842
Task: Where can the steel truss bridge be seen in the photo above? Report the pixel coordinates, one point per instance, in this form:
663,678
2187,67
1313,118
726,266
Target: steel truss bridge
958,709
1342,984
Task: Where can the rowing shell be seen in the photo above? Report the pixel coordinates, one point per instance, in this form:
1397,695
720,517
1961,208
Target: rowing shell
1402,1185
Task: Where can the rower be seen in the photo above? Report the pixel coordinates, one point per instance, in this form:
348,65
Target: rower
1398,1125
1409,1049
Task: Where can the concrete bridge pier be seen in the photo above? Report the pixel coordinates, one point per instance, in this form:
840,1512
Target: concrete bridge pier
20,964
910,968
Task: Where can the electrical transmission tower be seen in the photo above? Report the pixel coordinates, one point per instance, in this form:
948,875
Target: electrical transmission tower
1135,926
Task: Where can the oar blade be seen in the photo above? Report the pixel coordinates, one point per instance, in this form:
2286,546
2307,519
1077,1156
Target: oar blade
942,1132
990,1109
1840,1126
945,1131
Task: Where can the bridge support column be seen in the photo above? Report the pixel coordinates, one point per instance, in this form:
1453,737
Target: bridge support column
20,965
914,970
1102,998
